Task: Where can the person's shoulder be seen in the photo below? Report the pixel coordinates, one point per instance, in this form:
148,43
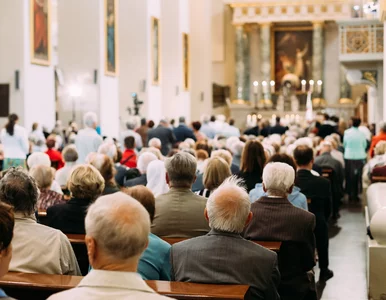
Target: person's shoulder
199,198
190,243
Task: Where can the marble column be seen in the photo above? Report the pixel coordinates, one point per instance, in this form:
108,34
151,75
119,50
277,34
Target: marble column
317,56
242,63
265,52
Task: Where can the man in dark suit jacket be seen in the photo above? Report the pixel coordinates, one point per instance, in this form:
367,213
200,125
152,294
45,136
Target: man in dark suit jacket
276,219
223,256
183,132
327,128
165,134
318,191
278,128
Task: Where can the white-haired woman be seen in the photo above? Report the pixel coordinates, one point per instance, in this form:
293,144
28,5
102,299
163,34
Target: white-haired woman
156,180
143,161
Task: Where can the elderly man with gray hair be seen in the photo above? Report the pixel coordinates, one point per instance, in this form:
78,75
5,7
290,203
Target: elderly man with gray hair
117,230
87,139
131,124
276,219
223,256
179,212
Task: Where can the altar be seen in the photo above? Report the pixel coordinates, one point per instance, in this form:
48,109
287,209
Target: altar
304,51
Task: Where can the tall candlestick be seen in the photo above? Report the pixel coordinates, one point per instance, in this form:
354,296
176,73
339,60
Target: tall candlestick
265,87
255,87
254,120
312,86
249,118
272,83
304,86
319,86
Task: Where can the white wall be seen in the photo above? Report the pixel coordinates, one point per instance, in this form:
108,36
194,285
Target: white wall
133,60
201,58
81,51
35,100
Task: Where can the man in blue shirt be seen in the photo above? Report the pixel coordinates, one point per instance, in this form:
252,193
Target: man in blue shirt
354,142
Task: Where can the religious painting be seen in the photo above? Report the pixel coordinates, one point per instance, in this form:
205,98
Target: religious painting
111,45
185,62
155,50
40,32
292,56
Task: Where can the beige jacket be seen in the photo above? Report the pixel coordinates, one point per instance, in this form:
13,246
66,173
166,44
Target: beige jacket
41,249
180,213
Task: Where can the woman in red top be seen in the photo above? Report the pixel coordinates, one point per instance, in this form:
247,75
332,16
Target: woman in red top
55,156
129,157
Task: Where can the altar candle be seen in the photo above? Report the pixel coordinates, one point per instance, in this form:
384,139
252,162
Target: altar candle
312,86
265,87
273,119
255,87
249,120
272,83
304,86
319,87
254,120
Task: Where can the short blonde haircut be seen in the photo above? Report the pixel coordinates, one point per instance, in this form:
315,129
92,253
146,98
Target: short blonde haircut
43,176
224,154
216,171
85,182
380,148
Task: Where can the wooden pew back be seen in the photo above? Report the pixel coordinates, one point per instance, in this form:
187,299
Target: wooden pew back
41,286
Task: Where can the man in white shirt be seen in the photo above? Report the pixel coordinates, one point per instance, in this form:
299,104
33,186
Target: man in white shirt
36,248
131,124
117,229
87,139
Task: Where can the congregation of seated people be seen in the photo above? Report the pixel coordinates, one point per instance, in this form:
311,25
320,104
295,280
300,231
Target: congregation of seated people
215,188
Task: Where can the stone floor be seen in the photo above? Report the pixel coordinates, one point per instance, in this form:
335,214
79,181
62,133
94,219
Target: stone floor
347,258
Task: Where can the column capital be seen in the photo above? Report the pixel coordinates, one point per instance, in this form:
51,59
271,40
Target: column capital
265,25
317,24
238,25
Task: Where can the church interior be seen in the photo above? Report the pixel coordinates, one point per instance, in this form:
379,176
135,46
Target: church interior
249,63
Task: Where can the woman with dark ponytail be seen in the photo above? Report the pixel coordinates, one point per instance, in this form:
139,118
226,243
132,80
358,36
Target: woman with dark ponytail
15,143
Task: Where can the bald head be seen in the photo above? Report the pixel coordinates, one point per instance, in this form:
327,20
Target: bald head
120,226
228,207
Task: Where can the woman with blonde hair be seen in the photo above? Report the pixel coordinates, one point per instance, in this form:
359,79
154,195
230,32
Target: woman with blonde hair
85,184
216,171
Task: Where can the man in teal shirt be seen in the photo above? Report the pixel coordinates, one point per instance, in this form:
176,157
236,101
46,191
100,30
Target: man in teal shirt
354,142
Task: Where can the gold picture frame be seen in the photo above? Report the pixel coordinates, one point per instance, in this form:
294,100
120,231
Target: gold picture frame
111,37
40,32
298,42
155,51
185,61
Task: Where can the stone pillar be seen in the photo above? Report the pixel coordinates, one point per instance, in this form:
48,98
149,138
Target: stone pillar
265,50
242,63
317,56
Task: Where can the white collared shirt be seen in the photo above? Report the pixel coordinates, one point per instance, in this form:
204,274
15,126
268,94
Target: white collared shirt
100,284
41,249
87,141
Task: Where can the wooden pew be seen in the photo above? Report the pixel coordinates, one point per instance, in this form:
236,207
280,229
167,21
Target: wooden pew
273,246
40,286
375,179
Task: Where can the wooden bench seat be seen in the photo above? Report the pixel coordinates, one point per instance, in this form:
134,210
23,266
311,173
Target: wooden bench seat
273,246
40,286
